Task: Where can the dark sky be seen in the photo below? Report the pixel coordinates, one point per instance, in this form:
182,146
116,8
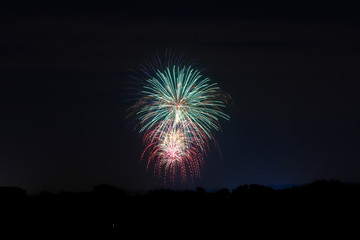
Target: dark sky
291,69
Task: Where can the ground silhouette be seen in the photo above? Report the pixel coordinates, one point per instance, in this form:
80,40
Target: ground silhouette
110,211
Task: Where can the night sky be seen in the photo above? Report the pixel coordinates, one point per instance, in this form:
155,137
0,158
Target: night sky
291,69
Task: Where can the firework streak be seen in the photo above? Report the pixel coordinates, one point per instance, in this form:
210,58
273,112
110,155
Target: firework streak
177,110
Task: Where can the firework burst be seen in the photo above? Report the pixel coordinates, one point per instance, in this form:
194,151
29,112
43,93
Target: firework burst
177,109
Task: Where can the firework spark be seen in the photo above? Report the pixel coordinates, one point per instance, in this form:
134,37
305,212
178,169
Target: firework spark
177,109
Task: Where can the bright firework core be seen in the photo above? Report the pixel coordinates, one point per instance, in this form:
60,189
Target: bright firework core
173,146
177,110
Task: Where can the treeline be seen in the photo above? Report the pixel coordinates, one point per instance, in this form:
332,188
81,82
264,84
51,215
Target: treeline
107,208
